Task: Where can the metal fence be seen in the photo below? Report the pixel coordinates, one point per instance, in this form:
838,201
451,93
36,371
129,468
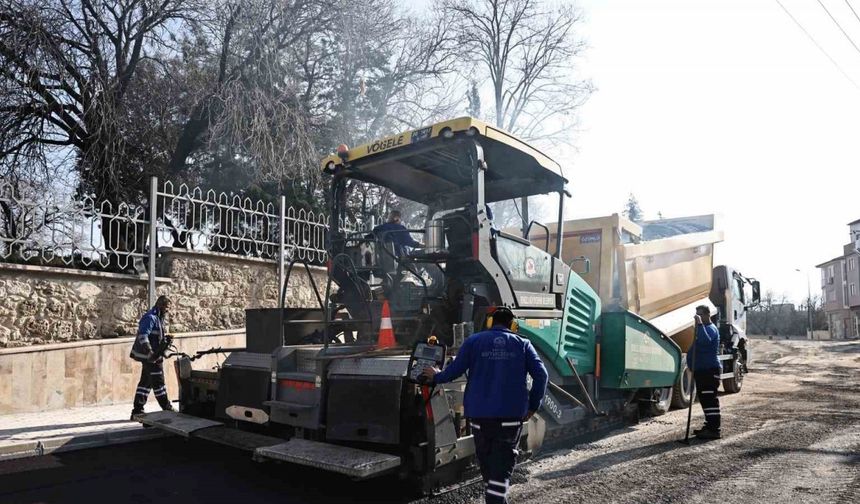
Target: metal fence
44,229
228,223
91,234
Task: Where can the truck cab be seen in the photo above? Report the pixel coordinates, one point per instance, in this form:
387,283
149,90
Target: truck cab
733,295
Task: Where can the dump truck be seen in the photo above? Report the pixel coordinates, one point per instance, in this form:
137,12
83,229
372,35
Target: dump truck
662,270
312,387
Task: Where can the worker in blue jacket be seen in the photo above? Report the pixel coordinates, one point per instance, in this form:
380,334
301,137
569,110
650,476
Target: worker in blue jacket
498,400
150,336
706,367
395,232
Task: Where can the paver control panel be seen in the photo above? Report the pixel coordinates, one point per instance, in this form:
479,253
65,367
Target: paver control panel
424,355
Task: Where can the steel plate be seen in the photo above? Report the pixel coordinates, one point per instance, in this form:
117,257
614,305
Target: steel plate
340,459
176,423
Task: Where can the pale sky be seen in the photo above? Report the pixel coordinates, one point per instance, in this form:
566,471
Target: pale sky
725,106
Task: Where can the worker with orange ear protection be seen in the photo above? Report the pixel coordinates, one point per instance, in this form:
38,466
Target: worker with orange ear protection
498,400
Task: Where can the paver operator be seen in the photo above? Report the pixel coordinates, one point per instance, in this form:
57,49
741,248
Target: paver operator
150,336
497,400
706,368
394,231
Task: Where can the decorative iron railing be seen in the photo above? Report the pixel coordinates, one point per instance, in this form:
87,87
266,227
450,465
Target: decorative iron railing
80,233
89,234
232,224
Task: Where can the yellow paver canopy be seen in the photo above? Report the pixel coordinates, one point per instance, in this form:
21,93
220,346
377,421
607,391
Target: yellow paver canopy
431,165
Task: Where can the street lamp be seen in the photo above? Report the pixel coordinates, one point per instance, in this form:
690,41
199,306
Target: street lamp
808,304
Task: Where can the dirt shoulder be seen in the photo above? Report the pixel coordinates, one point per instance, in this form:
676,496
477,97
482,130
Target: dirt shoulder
791,435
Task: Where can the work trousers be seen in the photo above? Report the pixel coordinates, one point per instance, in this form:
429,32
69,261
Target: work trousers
151,379
707,383
496,443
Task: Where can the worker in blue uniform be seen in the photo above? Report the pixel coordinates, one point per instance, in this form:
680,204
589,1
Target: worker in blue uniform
150,335
706,367
395,232
497,400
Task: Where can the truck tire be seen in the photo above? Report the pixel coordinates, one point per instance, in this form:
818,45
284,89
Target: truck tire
733,385
659,401
682,391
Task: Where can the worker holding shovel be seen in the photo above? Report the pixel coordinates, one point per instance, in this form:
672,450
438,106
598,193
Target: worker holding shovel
706,368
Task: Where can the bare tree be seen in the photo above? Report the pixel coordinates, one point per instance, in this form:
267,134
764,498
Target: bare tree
65,70
527,50
240,95
248,113
776,315
760,318
369,76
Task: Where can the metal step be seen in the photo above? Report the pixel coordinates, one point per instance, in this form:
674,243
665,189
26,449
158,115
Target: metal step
359,464
726,376
174,422
234,438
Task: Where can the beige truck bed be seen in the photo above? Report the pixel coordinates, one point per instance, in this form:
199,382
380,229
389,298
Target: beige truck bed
660,269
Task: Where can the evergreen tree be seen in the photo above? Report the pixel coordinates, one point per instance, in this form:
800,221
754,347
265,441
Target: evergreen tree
474,99
632,210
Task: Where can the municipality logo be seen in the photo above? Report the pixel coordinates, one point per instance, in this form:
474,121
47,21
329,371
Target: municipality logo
499,342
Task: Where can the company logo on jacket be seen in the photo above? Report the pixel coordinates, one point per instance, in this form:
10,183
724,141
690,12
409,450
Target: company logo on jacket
499,351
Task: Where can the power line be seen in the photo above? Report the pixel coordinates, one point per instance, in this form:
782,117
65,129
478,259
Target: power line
818,45
839,26
852,10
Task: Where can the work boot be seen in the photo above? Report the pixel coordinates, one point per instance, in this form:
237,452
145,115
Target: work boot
704,428
708,434
134,413
167,407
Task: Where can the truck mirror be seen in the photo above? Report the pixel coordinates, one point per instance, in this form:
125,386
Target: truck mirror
756,292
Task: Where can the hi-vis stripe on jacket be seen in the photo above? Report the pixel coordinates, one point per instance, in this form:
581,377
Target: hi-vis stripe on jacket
150,332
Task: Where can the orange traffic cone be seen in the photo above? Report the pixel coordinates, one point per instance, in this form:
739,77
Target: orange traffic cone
386,330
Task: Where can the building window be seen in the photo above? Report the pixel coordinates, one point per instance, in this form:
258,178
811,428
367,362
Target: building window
852,289
852,263
831,272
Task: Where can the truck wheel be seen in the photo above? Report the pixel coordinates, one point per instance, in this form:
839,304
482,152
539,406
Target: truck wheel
682,391
660,400
733,385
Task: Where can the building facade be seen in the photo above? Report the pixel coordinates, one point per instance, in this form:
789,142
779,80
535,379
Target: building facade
840,288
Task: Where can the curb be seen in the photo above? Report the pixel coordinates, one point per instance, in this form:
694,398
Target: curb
11,450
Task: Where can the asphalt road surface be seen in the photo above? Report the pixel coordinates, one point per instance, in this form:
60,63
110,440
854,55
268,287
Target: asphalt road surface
791,435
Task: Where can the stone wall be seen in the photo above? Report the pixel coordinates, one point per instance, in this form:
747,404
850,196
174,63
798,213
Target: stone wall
211,290
53,305
89,373
41,305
